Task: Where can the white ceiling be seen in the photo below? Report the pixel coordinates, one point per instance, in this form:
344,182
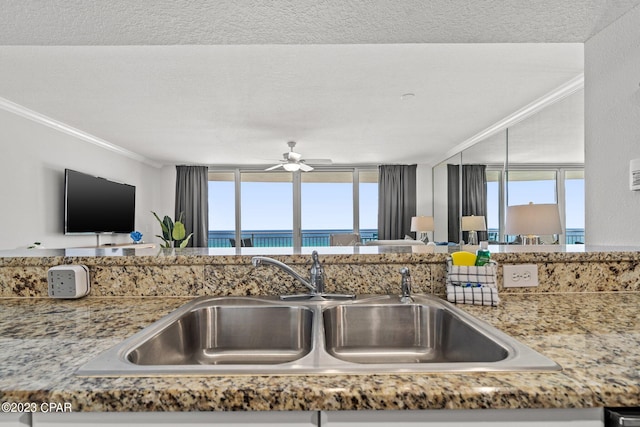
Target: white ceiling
554,134
241,22
230,82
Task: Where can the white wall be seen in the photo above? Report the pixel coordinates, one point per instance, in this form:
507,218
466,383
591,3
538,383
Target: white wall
32,174
612,132
441,203
424,190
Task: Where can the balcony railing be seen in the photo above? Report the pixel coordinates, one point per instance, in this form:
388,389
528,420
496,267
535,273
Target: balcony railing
572,236
284,238
259,238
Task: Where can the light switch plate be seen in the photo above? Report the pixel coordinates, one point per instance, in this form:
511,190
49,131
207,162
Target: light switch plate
520,275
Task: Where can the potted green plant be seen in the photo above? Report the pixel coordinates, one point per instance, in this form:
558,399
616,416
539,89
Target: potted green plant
173,232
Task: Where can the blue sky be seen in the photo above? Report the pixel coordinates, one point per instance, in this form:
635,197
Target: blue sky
543,191
267,206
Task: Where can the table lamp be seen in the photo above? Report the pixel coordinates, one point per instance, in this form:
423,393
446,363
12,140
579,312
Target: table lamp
422,224
473,224
532,221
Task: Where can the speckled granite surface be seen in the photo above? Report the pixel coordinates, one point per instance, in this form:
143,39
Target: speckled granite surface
594,336
584,316
361,270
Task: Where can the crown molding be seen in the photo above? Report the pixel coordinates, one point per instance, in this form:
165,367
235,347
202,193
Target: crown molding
568,88
39,118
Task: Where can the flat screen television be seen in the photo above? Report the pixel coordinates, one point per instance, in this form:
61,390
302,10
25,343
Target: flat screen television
94,205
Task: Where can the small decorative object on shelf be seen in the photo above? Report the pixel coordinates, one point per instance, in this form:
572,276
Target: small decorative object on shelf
35,245
136,236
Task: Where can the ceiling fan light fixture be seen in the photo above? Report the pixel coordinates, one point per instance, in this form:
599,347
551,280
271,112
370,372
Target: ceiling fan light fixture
291,167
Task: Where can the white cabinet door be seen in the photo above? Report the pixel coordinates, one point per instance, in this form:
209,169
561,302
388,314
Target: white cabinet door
8,419
171,419
467,418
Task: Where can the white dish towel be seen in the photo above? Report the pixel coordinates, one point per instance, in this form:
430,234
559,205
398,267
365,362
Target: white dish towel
483,295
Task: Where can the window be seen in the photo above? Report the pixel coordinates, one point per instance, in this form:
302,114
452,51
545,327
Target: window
327,206
574,206
368,205
530,186
493,204
284,209
561,185
526,186
222,209
266,207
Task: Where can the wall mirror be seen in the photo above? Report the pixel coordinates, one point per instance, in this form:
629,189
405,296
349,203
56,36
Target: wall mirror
539,159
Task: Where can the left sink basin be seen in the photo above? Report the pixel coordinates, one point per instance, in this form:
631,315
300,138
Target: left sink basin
239,334
219,334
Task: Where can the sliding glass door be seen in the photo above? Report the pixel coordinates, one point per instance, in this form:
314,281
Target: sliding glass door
326,206
368,204
266,209
574,206
222,209
284,209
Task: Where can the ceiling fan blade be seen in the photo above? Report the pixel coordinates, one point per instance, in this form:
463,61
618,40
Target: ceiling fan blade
305,168
274,167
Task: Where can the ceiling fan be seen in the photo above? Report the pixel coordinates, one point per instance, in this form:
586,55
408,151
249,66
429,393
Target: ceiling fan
293,161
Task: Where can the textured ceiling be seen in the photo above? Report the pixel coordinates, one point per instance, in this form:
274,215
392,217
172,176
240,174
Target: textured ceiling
204,22
229,82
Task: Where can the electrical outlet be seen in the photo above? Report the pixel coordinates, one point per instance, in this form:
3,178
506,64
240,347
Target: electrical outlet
520,276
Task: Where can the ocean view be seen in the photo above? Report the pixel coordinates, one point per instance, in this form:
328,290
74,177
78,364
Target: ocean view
284,238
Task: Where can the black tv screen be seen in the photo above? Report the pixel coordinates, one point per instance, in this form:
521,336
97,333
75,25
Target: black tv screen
97,205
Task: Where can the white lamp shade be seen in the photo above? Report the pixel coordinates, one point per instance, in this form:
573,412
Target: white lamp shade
473,223
537,220
422,223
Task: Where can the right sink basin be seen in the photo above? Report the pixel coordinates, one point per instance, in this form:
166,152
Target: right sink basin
405,334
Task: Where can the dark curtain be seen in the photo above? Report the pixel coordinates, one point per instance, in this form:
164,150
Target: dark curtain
474,195
396,200
474,198
192,199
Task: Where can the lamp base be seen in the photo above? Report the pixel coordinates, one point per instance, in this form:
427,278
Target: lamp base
530,239
422,235
473,237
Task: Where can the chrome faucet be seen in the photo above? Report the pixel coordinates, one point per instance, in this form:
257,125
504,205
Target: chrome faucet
257,261
317,274
315,283
405,297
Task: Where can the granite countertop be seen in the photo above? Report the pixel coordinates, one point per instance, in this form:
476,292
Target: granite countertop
334,254
594,336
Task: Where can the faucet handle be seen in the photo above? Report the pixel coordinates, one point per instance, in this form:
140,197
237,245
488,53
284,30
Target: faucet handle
317,274
406,285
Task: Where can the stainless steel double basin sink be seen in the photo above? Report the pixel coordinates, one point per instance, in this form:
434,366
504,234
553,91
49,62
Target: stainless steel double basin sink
370,334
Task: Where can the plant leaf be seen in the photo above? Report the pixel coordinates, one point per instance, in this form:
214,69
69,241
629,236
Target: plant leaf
168,222
178,231
165,230
166,242
185,242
